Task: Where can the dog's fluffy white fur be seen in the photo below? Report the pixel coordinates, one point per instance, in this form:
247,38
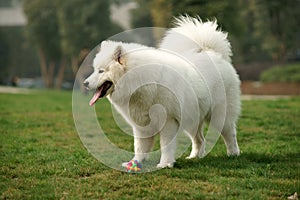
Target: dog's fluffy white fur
200,53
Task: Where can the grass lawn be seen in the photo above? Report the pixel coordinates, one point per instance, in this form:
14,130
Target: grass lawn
42,157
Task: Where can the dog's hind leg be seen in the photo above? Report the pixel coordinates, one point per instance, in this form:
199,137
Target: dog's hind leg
168,144
229,137
198,143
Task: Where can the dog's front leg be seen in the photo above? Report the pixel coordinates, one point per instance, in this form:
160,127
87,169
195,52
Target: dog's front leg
142,146
168,144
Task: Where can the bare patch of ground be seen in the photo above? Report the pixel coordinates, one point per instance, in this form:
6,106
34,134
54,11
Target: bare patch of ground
259,88
14,90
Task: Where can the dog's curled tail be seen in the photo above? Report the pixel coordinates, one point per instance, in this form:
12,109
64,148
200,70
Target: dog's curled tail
191,33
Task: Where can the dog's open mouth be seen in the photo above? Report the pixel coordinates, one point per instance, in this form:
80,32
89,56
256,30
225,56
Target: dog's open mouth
100,92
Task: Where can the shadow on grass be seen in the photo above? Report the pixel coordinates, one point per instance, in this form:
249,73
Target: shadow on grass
245,160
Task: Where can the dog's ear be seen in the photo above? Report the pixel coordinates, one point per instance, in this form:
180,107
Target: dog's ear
118,55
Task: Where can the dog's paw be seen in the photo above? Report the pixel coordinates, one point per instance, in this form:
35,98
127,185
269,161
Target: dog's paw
190,157
194,155
233,153
124,164
165,165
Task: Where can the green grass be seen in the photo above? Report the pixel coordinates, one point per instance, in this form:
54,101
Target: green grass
42,157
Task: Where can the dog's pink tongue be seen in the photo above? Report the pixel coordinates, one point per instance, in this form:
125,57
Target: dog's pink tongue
95,97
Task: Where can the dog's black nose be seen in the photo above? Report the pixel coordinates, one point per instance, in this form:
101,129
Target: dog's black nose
86,83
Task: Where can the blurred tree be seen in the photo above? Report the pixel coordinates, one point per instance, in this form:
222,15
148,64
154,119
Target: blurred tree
259,30
161,12
17,57
141,16
271,29
249,45
4,58
43,31
227,14
83,25
282,20
65,31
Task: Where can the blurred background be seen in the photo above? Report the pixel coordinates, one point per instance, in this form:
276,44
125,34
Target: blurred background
43,42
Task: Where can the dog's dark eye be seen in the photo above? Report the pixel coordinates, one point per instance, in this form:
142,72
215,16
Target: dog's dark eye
101,71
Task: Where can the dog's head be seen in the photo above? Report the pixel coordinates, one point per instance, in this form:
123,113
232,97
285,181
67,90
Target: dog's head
109,65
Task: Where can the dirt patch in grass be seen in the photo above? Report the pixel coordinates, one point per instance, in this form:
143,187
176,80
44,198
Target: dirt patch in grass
259,88
13,90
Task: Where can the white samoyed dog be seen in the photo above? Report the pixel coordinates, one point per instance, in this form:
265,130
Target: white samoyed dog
187,81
